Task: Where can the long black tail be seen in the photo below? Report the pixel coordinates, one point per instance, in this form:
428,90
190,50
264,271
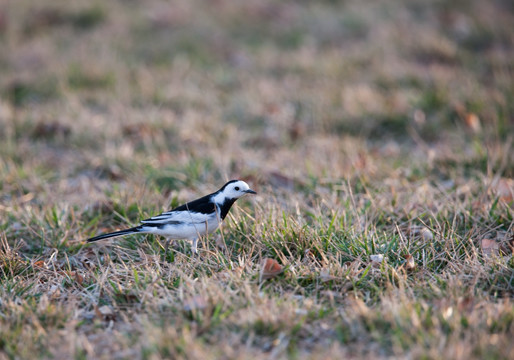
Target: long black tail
116,233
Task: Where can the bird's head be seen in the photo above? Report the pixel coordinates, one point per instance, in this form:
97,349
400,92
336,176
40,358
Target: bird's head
234,189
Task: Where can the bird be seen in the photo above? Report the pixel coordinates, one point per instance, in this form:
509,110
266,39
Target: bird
191,220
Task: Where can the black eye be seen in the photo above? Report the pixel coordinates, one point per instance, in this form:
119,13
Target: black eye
237,188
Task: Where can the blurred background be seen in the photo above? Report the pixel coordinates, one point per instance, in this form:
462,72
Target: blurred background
177,94
377,129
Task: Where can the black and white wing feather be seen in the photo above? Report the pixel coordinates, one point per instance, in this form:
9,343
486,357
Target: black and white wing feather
196,211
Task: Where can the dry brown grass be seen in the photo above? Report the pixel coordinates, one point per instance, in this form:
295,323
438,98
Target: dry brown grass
382,128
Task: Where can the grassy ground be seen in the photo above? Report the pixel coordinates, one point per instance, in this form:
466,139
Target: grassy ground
368,128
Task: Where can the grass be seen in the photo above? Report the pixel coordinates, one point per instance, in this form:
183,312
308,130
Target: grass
382,128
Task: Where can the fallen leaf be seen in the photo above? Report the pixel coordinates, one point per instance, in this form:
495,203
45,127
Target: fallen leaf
489,247
27,197
105,313
410,264
473,122
270,268
505,190
465,304
78,278
40,264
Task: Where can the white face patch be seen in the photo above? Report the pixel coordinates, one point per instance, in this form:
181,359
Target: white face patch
233,190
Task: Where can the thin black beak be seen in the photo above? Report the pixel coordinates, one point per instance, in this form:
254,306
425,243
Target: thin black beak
250,191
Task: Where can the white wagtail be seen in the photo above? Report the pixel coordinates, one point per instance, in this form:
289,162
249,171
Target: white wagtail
191,220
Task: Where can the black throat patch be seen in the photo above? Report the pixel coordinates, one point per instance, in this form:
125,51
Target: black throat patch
225,207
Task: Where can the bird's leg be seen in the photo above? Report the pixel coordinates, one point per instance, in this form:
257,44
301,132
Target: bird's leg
168,241
194,246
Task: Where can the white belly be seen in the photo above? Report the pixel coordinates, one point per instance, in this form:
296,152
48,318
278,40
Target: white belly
185,230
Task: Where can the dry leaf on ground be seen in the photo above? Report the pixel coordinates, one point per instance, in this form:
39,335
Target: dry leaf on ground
410,264
40,264
505,190
270,268
105,313
472,121
77,277
489,247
